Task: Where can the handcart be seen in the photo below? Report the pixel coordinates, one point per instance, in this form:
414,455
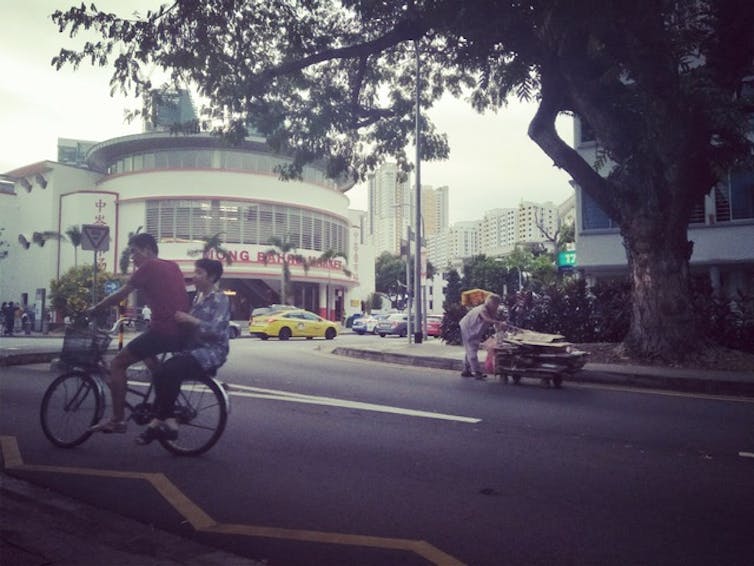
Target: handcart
525,353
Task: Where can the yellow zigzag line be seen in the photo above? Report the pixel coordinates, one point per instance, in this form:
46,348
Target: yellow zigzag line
202,522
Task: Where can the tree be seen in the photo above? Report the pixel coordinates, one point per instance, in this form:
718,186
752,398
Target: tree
658,82
125,255
4,245
41,238
390,276
72,293
213,244
74,236
284,251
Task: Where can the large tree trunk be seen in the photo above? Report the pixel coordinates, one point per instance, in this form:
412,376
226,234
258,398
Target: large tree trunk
663,323
651,207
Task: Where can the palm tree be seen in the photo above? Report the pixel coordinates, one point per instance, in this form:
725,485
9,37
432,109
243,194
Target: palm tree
284,249
74,236
325,258
125,254
332,254
213,244
40,238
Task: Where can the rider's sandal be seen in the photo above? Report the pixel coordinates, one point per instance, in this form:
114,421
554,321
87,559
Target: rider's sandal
148,435
110,427
161,431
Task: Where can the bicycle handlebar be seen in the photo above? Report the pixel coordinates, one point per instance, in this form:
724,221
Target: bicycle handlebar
121,320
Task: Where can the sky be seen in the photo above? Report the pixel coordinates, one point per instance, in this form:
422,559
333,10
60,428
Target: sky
492,164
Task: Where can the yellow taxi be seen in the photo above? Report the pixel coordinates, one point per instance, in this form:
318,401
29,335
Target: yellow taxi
296,323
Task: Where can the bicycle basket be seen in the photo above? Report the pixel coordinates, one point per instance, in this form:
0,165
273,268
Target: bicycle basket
83,346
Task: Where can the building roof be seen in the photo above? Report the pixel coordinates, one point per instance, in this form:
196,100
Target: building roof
104,153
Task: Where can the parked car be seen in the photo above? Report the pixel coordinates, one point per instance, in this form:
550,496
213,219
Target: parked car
434,325
262,311
297,323
393,324
367,324
355,316
234,330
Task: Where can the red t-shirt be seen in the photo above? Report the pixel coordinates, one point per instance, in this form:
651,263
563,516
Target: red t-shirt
165,293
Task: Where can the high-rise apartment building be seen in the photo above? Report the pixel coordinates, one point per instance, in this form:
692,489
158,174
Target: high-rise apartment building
498,231
391,209
435,209
169,108
537,223
459,241
73,152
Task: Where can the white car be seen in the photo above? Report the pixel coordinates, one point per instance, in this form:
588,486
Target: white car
234,330
367,324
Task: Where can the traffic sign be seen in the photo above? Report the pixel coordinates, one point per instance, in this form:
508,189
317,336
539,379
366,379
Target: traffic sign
111,286
567,259
95,237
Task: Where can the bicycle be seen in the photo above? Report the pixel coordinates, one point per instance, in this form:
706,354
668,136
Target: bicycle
77,399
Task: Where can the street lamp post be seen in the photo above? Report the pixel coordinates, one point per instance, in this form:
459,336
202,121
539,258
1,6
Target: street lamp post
418,334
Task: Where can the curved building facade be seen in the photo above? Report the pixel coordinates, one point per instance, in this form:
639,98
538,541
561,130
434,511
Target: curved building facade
185,189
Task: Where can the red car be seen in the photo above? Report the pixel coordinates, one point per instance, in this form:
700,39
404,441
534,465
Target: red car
434,325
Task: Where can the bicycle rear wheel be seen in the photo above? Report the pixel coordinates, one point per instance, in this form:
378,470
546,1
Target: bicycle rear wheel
202,413
71,404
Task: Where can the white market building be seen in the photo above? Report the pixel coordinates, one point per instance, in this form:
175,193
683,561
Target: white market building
180,189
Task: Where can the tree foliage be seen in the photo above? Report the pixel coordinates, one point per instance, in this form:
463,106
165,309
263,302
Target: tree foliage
390,277
659,83
124,262
4,245
213,245
72,293
73,233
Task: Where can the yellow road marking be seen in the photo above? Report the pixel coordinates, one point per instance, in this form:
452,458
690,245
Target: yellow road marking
202,522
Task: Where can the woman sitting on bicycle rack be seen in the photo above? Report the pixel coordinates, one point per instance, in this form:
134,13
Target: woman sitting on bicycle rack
206,348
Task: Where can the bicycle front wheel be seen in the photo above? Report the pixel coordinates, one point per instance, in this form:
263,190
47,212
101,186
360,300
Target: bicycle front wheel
72,403
202,413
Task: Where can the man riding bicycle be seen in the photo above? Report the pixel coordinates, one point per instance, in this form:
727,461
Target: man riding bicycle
164,289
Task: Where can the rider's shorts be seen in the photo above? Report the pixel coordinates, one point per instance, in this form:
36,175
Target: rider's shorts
151,343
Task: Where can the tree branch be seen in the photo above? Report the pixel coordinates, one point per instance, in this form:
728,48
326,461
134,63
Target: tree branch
403,31
542,131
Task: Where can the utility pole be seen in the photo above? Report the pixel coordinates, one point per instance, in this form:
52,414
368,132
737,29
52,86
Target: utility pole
408,284
419,333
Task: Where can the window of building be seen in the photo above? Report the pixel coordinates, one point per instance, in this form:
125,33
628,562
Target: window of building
742,195
592,216
247,223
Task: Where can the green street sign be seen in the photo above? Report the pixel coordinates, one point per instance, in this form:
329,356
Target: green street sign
567,259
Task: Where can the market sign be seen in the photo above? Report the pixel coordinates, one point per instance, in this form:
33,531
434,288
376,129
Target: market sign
567,259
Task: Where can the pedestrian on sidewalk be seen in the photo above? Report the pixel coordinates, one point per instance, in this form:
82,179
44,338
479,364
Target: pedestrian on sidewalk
146,315
9,310
473,326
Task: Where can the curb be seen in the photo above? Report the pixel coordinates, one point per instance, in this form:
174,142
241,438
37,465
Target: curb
402,359
718,382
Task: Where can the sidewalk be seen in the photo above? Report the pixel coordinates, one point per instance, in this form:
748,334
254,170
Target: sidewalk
38,526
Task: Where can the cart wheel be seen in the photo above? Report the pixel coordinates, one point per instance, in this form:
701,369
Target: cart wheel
557,382
516,379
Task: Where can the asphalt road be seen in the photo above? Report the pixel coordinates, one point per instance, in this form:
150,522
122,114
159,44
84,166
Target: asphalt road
339,461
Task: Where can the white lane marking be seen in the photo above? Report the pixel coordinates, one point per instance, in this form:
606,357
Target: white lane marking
277,395
746,454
